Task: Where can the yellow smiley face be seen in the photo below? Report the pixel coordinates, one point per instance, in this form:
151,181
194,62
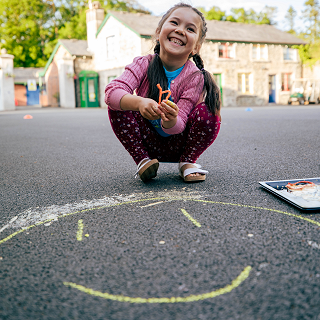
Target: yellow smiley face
162,249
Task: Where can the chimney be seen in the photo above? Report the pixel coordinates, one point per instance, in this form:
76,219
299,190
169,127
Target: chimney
94,16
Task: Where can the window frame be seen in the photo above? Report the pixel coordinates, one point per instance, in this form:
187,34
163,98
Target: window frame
245,86
110,47
228,50
289,54
286,81
261,52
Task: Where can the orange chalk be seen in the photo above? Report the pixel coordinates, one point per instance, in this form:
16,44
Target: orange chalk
28,116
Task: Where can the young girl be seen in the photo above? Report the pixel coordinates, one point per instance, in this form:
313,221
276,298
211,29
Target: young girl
176,130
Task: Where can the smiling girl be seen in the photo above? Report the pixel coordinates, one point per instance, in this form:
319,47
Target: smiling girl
181,129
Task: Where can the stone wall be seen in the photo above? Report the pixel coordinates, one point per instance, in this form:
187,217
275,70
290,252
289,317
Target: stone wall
259,71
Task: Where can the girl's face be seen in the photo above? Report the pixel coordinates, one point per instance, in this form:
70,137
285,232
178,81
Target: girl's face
179,35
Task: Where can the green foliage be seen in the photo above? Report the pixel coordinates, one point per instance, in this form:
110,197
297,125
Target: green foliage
290,18
216,14
266,16
311,15
30,29
76,27
23,32
309,53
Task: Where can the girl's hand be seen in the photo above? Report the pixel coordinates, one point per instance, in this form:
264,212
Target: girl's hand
149,109
169,113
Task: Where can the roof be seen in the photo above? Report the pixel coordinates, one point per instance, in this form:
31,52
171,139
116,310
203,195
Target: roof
142,24
73,46
76,47
219,31
22,75
249,33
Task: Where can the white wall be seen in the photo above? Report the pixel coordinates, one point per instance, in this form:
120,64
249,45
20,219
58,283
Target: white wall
6,82
127,46
66,83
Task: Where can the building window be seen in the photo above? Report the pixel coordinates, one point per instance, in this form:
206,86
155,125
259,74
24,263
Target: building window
245,84
286,81
110,78
259,52
289,54
226,50
110,47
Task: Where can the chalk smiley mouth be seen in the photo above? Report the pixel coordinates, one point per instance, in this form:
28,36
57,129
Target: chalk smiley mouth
191,298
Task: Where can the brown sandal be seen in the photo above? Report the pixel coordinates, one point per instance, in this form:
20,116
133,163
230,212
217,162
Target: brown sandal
147,170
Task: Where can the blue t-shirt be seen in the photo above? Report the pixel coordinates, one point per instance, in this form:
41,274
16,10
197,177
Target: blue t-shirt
171,75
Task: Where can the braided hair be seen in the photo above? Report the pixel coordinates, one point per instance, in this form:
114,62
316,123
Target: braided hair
211,90
156,73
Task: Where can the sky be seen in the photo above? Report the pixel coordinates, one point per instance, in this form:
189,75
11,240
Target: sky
158,7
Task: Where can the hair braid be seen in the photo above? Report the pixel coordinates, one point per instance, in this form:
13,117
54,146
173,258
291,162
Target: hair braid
198,61
212,91
156,74
156,49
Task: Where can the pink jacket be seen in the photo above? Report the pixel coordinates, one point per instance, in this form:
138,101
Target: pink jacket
186,91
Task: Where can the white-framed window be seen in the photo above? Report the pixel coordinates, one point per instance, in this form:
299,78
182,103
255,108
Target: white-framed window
286,81
289,54
110,78
226,50
110,47
259,52
245,83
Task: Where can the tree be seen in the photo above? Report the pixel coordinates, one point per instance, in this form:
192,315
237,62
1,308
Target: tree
215,14
23,30
311,15
290,17
266,16
29,29
76,27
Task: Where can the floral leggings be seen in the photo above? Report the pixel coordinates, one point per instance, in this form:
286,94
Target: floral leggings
142,141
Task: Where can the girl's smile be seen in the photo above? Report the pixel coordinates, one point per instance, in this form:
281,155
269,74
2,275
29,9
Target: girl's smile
179,37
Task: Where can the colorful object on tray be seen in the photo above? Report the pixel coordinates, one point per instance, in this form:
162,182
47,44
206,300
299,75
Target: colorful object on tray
300,185
162,92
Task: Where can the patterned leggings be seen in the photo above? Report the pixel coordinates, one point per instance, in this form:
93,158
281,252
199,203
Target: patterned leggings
142,141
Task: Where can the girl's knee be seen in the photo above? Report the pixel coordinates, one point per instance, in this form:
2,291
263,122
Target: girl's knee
202,116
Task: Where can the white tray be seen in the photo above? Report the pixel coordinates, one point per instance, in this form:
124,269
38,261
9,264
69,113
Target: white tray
302,200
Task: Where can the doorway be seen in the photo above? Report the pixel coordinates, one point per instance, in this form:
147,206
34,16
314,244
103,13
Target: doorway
217,78
89,89
272,88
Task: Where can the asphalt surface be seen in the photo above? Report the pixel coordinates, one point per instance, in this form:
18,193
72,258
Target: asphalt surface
80,238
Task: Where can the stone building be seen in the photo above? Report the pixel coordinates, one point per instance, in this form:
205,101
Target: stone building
252,64
58,80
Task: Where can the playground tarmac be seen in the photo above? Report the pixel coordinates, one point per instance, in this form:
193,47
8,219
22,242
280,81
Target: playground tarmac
80,238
